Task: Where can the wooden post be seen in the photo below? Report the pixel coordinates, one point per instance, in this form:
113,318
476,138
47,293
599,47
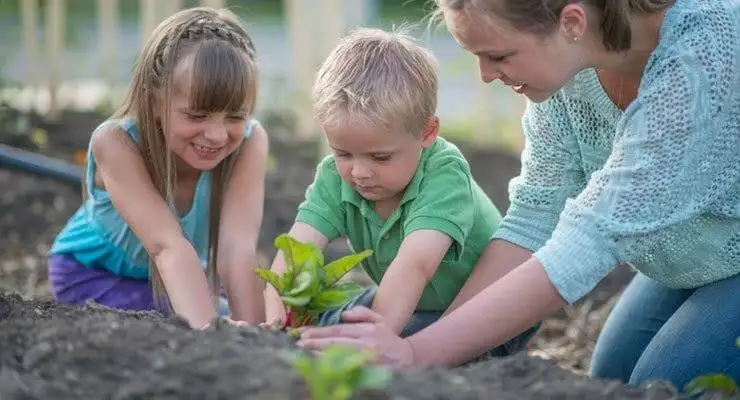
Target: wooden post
310,44
55,34
108,19
333,29
147,18
29,19
170,7
213,3
300,20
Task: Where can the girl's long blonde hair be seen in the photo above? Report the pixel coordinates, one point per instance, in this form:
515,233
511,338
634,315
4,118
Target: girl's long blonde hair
224,76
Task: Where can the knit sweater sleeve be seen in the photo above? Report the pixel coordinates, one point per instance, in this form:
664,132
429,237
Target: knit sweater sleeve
674,158
550,173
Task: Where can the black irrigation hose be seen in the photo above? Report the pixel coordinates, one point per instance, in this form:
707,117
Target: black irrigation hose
11,157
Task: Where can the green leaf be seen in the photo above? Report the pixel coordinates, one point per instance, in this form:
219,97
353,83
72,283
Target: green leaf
353,288
374,378
301,283
713,382
270,277
336,269
344,358
296,301
343,391
286,280
737,342
329,299
298,253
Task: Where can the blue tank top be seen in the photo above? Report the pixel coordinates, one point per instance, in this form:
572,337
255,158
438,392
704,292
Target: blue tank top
98,237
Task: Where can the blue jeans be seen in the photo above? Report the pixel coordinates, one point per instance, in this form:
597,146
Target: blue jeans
420,320
659,333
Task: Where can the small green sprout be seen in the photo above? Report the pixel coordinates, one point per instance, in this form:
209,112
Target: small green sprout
338,372
307,287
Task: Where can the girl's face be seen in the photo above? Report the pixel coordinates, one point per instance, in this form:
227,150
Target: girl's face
531,65
202,139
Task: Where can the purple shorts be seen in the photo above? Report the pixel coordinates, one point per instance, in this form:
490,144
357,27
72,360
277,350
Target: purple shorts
74,283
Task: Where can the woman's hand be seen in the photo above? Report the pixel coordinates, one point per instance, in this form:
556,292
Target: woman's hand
364,329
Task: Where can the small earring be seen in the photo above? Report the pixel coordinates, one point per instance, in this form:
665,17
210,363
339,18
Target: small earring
575,38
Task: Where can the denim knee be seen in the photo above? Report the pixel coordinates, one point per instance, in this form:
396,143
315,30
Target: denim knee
334,317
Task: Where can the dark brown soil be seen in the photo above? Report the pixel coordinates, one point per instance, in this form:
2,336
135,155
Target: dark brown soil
58,352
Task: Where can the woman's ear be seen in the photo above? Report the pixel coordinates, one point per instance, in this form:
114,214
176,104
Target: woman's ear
573,21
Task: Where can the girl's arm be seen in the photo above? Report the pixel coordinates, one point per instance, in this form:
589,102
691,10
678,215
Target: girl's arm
121,171
241,219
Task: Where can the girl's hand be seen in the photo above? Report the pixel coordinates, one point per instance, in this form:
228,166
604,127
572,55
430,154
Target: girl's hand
225,319
237,323
366,330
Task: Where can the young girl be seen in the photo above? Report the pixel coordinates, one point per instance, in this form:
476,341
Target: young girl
174,182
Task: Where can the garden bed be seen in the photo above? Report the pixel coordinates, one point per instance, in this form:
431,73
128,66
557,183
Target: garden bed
57,352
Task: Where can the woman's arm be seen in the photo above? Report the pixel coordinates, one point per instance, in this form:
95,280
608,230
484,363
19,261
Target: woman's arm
241,218
497,260
121,171
501,311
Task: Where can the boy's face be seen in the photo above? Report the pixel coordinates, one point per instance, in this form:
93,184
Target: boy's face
378,164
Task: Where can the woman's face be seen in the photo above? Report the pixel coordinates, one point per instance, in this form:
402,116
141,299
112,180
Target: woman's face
532,65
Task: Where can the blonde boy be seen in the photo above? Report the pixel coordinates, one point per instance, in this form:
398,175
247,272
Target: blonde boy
391,183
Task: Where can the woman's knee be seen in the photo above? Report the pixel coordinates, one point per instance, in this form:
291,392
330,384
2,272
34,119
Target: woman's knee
700,338
636,318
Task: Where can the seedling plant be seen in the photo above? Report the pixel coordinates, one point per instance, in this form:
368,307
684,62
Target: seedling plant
309,287
338,372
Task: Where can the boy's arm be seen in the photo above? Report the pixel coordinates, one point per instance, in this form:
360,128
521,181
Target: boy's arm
436,226
241,218
273,304
121,169
402,285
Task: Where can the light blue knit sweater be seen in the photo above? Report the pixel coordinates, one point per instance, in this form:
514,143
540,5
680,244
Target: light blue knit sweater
657,185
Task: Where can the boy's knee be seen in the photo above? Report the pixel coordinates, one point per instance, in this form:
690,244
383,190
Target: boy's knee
334,317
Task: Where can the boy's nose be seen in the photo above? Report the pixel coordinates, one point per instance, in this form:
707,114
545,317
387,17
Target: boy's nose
360,172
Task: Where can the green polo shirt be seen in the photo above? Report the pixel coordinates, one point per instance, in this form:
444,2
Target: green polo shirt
442,195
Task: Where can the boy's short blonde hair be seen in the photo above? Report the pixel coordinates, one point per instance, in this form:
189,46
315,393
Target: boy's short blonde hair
379,78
